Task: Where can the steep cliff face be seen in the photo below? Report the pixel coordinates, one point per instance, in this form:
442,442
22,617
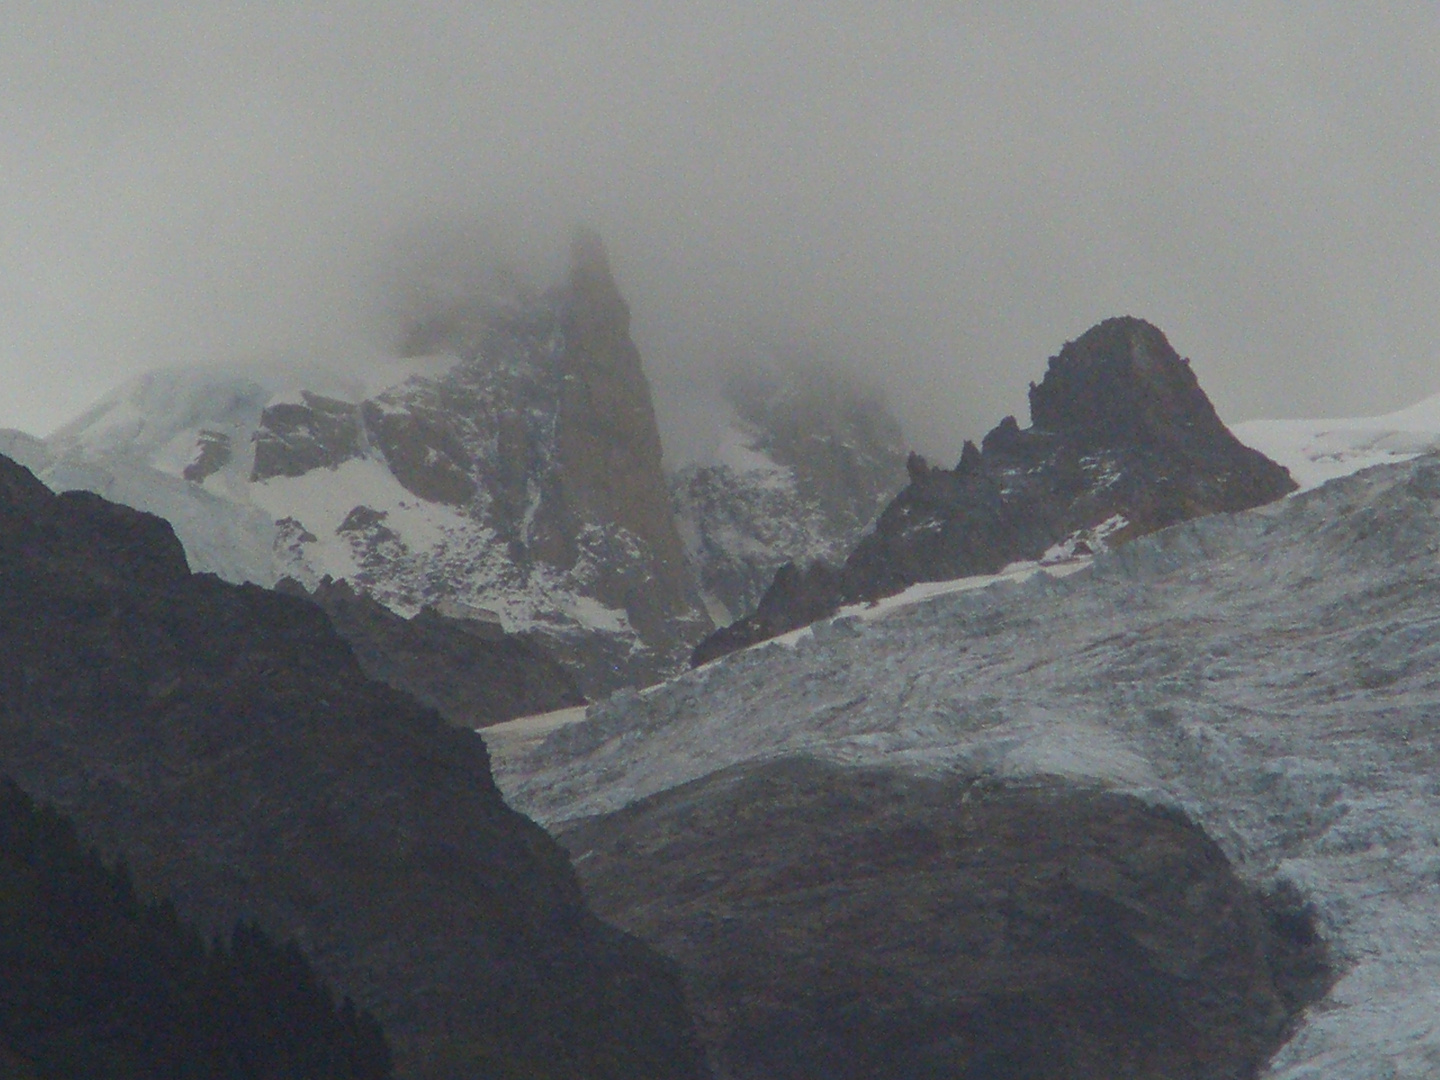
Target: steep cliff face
1124,442
809,459
607,464
225,740
519,471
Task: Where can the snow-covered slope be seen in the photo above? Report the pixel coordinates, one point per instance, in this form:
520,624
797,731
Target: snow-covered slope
1319,450
134,446
1276,674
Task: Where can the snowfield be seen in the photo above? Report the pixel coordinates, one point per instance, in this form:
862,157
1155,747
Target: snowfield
1275,674
1319,450
134,445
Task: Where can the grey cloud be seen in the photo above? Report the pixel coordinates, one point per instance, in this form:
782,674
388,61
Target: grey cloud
940,193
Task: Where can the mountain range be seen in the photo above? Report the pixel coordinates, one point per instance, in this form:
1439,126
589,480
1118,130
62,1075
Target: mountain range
510,475
1122,442
1104,753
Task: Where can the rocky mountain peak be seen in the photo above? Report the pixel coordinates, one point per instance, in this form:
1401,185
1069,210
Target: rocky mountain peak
1121,381
515,467
1124,442
596,307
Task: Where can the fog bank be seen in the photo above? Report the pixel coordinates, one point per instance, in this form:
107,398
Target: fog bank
939,194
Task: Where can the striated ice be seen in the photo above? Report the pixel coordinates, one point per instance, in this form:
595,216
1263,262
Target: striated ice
1274,674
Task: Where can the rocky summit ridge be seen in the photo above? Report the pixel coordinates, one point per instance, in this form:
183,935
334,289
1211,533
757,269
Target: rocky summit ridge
1123,442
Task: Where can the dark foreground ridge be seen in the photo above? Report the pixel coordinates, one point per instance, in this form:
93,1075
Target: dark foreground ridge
99,984
863,924
226,741
467,669
1123,442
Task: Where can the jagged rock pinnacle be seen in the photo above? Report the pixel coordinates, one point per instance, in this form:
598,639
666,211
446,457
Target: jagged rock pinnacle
597,312
1122,381
1123,442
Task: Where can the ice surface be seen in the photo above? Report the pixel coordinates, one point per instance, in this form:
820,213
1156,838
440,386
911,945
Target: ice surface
1319,450
1274,674
524,732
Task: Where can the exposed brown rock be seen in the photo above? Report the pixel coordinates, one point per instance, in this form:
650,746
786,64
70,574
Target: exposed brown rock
293,438
862,924
423,453
541,442
609,443
214,454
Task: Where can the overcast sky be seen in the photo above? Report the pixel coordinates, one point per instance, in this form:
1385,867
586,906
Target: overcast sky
940,193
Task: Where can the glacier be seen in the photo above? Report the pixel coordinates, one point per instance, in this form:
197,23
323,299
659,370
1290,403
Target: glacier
1319,450
1275,675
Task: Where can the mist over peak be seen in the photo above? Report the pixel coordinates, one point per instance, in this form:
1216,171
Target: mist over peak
947,190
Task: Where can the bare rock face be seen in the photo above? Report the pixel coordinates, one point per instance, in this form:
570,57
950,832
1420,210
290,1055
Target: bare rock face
465,667
546,434
226,741
863,924
213,454
1124,442
608,455
796,597
292,439
1120,383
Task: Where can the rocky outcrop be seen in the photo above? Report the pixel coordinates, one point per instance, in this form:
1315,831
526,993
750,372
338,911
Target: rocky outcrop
546,434
465,667
795,598
607,463
213,453
293,438
1123,442
809,460
864,924
226,741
